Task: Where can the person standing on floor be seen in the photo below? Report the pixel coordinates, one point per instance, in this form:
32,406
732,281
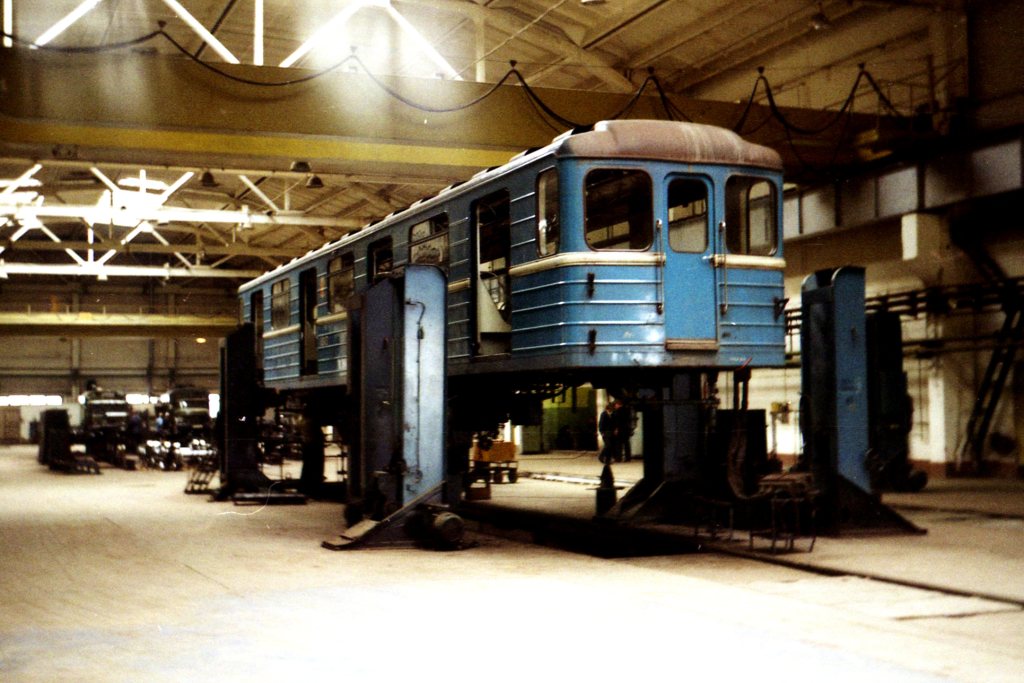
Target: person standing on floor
624,427
608,427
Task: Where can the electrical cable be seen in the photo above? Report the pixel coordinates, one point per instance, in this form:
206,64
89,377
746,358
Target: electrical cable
544,111
106,47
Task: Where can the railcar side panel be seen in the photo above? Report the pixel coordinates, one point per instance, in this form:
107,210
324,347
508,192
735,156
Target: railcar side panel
684,269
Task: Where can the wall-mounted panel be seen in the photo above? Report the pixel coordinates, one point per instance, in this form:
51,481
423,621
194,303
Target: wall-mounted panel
36,353
946,180
857,201
102,354
897,192
818,210
996,169
191,354
790,215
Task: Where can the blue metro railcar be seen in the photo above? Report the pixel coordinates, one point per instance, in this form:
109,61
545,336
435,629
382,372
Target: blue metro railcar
612,255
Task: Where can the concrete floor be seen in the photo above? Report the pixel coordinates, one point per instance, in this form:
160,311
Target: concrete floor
122,577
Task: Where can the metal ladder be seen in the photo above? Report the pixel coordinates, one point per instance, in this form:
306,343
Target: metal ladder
992,383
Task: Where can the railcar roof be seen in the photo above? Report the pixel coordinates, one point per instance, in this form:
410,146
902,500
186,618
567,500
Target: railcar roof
691,143
677,141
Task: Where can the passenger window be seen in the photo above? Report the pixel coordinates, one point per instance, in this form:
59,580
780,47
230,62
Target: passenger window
341,281
548,213
280,304
380,259
618,209
428,242
688,215
750,211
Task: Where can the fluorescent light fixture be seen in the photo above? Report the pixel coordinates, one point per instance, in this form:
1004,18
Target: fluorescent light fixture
194,24
8,10
24,180
62,25
423,43
257,33
326,31
31,400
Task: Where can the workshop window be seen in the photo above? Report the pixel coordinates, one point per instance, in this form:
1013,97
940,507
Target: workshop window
341,281
280,304
750,216
428,242
548,213
618,209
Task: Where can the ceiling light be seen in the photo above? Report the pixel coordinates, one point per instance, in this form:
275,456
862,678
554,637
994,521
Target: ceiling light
207,180
300,167
592,2
314,182
819,22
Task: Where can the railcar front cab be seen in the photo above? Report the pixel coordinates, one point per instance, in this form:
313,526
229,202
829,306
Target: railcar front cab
706,232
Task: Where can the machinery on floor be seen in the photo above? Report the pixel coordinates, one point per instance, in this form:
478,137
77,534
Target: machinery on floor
105,431
181,430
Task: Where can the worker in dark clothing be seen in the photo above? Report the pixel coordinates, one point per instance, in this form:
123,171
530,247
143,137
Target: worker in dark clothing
624,421
608,426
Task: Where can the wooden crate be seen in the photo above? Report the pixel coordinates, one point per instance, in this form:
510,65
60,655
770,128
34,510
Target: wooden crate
500,451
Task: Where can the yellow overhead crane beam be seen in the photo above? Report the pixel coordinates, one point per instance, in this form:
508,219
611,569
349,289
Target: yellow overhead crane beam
86,324
167,110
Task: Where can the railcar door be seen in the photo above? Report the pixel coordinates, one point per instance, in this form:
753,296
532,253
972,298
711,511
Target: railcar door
689,278
307,322
492,293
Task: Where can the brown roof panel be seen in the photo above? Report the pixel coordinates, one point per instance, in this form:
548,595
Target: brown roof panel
694,143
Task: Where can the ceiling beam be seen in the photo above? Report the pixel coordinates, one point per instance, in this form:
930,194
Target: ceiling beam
212,250
102,271
100,214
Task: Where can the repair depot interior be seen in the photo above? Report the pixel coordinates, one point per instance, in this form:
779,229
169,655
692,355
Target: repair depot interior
668,324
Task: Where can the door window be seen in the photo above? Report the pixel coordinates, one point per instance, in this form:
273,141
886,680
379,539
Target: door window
280,304
688,215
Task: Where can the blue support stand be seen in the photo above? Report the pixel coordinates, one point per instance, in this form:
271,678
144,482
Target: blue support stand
834,403
402,474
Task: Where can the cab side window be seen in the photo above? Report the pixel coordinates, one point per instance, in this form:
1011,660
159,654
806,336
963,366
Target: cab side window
750,216
618,209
